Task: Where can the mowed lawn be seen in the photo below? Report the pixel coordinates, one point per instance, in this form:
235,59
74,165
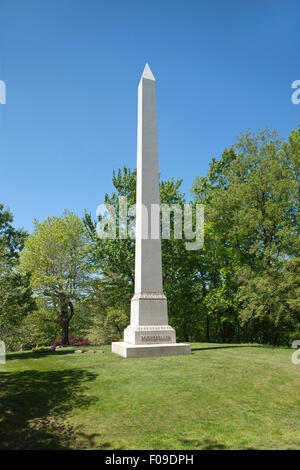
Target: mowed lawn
219,397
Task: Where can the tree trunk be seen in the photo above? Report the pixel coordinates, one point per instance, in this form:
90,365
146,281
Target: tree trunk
185,333
65,333
207,329
218,328
65,320
245,338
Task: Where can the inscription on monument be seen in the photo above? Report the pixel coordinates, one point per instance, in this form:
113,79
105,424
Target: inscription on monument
153,339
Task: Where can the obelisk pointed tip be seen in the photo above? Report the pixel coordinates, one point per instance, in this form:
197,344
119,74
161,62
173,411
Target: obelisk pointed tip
147,73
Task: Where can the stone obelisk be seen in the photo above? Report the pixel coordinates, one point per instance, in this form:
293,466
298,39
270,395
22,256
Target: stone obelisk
148,333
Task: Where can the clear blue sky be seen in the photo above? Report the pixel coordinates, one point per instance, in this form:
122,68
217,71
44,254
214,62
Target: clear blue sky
72,69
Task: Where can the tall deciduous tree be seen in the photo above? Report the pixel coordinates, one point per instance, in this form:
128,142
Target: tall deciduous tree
57,256
115,259
252,211
15,294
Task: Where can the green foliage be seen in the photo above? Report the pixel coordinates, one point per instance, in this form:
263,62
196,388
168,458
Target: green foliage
115,259
56,254
108,326
251,200
58,258
15,293
244,285
11,240
40,327
41,349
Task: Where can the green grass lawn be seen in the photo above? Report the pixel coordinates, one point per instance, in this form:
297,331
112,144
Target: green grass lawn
219,397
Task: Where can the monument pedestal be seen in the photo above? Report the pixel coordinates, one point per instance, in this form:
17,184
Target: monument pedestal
143,340
149,334
148,350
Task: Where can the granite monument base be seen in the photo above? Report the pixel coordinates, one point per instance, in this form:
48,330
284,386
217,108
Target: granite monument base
150,350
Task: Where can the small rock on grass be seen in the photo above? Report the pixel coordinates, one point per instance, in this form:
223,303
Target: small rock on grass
78,351
91,351
100,351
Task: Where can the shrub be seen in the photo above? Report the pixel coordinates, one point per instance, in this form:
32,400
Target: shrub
293,337
41,349
72,341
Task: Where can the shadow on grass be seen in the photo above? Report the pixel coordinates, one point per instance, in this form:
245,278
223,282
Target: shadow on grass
227,347
33,406
35,355
206,444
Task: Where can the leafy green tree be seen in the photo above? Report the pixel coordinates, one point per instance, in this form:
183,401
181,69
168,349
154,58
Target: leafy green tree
58,258
115,259
39,328
244,284
11,239
252,216
15,293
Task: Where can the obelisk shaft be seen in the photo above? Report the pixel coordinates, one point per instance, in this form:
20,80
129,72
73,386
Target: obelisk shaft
148,333
148,265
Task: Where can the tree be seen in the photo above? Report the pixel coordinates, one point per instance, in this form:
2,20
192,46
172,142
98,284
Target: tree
11,239
244,284
115,259
38,328
252,217
15,294
57,256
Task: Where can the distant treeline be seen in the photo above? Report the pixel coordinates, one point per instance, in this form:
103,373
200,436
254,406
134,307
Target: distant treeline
242,286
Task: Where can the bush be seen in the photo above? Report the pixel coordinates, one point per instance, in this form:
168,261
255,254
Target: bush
293,337
41,349
72,341
109,326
